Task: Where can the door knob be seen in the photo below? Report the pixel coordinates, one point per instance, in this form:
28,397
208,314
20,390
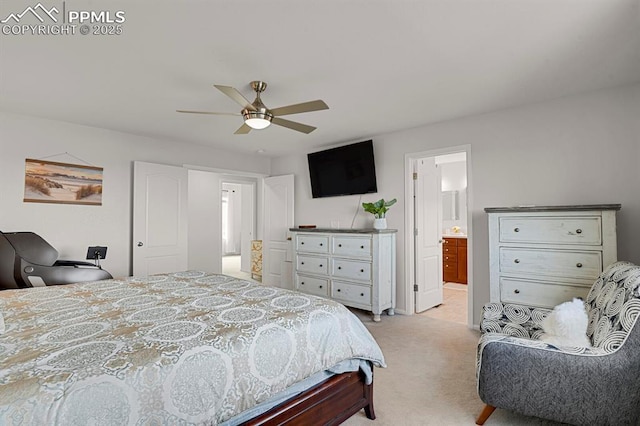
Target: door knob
140,244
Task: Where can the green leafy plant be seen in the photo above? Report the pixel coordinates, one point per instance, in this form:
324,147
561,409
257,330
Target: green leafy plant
379,208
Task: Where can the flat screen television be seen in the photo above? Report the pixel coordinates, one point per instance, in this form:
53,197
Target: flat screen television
345,170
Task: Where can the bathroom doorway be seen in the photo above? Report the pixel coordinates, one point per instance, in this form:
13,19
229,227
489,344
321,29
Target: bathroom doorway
444,271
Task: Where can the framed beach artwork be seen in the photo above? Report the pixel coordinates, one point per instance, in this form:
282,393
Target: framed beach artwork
62,183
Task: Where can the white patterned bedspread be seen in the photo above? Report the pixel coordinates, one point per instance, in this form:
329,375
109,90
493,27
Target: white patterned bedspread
184,348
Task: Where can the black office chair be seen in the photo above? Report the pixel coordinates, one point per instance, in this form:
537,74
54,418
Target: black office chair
27,260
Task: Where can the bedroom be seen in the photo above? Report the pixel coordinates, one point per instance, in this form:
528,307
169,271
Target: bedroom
567,135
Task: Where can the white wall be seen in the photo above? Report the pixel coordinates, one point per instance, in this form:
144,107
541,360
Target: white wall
72,228
579,150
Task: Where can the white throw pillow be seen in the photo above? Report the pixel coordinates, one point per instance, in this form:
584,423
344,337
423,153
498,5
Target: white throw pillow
566,325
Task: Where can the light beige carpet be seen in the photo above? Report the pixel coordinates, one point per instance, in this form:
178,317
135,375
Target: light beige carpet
454,304
231,266
430,378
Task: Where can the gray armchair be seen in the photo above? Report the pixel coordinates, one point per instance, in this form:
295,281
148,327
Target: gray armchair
582,386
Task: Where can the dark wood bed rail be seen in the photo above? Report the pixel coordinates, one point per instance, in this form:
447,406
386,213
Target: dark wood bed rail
330,402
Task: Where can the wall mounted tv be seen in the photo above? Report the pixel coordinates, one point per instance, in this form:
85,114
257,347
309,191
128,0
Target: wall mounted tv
345,170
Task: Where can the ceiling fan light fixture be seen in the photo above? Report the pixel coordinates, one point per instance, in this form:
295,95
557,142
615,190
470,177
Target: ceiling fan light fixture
257,116
256,119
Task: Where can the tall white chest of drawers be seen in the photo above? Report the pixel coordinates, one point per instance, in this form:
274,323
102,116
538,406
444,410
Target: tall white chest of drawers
543,256
355,267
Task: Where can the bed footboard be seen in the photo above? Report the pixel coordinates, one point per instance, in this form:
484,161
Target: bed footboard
328,403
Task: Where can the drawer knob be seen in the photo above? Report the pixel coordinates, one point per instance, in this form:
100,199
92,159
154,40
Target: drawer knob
361,247
339,245
302,242
320,244
320,286
578,265
516,230
338,290
302,283
578,231
516,260
339,267
362,294
516,291
321,265
361,270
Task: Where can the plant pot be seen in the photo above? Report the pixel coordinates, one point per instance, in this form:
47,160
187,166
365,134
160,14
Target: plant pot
380,223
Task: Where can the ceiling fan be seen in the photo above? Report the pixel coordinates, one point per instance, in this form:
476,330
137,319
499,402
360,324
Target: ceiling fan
257,116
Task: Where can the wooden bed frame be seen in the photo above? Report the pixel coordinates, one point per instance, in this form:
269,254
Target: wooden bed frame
328,403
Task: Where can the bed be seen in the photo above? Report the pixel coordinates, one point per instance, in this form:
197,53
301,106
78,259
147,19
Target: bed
183,348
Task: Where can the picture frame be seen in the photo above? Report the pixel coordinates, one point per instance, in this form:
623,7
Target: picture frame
62,183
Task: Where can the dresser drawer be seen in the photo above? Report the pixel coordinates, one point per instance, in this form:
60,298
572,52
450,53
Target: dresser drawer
312,285
351,293
552,230
450,250
538,293
556,263
351,269
450,274
450,267
312,243
313,264
449,242
351,246
450,257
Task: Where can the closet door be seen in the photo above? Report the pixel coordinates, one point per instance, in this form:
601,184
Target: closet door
160,218
278,218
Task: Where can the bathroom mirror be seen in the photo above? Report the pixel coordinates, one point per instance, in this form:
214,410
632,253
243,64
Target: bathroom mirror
450,205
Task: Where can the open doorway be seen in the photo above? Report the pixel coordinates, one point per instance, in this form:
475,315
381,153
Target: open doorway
438,234
453,174
238,224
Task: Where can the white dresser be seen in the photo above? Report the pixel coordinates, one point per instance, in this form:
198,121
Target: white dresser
354,267
543,256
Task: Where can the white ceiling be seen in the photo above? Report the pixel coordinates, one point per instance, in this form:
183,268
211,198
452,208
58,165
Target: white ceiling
380,65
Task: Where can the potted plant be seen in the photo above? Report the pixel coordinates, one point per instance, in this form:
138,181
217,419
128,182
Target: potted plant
379,210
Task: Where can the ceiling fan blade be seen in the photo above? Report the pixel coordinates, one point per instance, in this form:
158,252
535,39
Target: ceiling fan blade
298,108
207,112
236,96
242,130
293,125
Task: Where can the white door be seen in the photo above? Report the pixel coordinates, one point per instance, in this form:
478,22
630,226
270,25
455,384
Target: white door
428,251
160,218
278,218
